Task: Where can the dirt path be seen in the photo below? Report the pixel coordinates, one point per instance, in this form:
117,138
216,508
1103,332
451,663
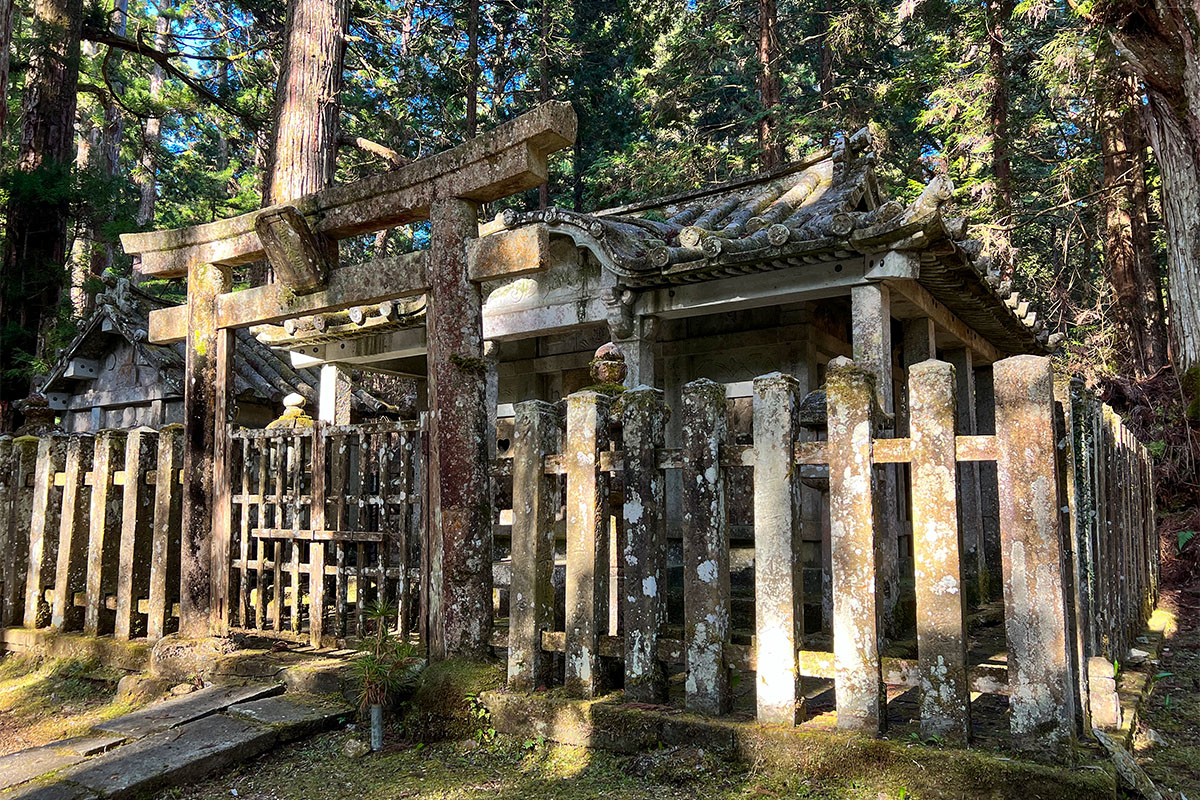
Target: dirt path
1168,737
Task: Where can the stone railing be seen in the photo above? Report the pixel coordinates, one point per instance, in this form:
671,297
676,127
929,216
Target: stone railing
89,531
1075,529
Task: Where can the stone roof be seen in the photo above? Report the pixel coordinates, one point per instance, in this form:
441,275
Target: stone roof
260,372
826,207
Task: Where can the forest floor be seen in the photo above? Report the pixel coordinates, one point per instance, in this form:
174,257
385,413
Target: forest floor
1167,743
44,700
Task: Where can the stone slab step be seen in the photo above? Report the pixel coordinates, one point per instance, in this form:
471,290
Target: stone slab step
293,715
171,757
25,765
48,791
179,710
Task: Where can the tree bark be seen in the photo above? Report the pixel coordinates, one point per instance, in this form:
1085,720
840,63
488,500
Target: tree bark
146,176
7,20
1158,40
472,90
303,151
35,242
109,150
544,81
1128,249
770,147
998,14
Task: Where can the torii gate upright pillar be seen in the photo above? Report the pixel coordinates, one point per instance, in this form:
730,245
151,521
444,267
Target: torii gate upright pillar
460,535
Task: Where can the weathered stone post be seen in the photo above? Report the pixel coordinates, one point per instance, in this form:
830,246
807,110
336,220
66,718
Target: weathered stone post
167,511
206,377
15,510
705,549
871,333
104,531
643,416
587,541
778,573
1041,699
43,527
854,516
535,499
937,554
70,573
461,532
137,512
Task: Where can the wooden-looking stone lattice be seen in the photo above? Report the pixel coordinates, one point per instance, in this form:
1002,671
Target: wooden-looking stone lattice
1047,696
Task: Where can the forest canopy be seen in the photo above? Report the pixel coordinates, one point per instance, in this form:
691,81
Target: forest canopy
1065,126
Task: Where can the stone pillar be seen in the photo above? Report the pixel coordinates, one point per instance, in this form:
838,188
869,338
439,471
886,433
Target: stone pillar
460,605
587,542
1041,699
535,499
335,401
644,543
639,349
43,528
854,519
71,567
206,377
137,514
872,341
920,344
778,574
937,553
705,549
104,533
970,516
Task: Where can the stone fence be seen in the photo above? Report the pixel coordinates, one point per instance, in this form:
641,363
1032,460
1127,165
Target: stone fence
90,541
89,531
1075,524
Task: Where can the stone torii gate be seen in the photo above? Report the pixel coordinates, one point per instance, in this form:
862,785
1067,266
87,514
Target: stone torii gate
299,239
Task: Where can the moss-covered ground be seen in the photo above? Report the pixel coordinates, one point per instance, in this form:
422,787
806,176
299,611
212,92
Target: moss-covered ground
1167,742
530,770
42,700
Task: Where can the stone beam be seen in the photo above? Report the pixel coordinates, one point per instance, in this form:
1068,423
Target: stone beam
361,284
778,287
509,159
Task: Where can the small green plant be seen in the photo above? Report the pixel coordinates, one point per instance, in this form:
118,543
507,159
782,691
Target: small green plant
379,670
1183,538
485,732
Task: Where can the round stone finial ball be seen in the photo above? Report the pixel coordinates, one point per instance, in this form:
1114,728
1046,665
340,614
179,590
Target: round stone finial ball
608,365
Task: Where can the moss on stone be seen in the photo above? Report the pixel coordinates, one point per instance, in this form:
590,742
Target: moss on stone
469,364
441,707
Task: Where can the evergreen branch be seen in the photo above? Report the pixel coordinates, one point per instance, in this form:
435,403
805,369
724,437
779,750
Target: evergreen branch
163,59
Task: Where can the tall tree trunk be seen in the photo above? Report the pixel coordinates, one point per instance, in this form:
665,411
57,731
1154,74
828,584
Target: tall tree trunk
109,148
998,14
770,147
1159,40
1128,249
146,176
472,90
303,151
7,20
544,81
35,242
